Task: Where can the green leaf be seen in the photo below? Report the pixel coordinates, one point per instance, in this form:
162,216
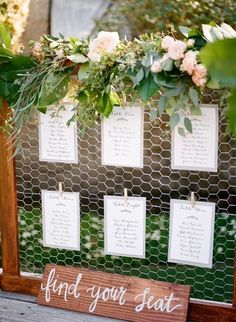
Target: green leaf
5,37
78,58
140,75
17,65
184,30
188,124
193,94
153,114
147,88
114,98
1,102
168,65
53,89
84,71
162,104
174,120
107,105
181,131
231,112
82,97
219,58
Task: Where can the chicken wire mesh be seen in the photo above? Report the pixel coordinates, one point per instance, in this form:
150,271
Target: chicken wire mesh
156,181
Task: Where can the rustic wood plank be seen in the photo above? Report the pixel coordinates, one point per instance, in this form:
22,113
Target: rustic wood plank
25,285
76,18
198,312
8,203
113,295
19,310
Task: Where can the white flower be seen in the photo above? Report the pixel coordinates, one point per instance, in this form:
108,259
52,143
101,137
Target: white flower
228,31
105,42
189,62
213,33
156,67
176,50
60,53
166,42
190,42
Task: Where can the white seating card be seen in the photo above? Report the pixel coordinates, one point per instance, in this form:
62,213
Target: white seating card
122,137
125,226
61,220
57,140
191,233
197,150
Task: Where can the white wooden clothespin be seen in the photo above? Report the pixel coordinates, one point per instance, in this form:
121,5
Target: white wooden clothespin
126,194
60,189
192,199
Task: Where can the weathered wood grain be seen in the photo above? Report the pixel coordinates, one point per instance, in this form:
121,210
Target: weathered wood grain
108,307
17,308
8,203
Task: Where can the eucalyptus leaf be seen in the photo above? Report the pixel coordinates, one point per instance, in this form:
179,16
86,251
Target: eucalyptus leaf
193,94
181,131
168,65
188,124
147,88
153,114
78,58
162,104
174,120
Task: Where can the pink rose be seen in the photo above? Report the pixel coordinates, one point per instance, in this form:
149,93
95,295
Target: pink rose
176,50
166,42
199,75
189,62
105,42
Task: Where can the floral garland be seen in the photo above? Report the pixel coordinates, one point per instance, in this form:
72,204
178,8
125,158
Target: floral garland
162,72
14,14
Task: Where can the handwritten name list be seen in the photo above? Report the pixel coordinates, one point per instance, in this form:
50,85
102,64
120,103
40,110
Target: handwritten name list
125,226
197,150
191,233
57,141
61,220
122,137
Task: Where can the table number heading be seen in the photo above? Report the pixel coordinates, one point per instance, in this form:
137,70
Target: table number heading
125,226
122,137
191,233
198,150
57,140
61,220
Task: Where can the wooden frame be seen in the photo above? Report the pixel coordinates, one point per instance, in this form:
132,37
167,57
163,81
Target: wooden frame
11,279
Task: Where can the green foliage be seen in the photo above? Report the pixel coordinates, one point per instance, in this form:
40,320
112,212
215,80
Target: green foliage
219,58
5,37
141,16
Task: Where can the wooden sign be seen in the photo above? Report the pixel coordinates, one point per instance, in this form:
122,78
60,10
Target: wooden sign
113,295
